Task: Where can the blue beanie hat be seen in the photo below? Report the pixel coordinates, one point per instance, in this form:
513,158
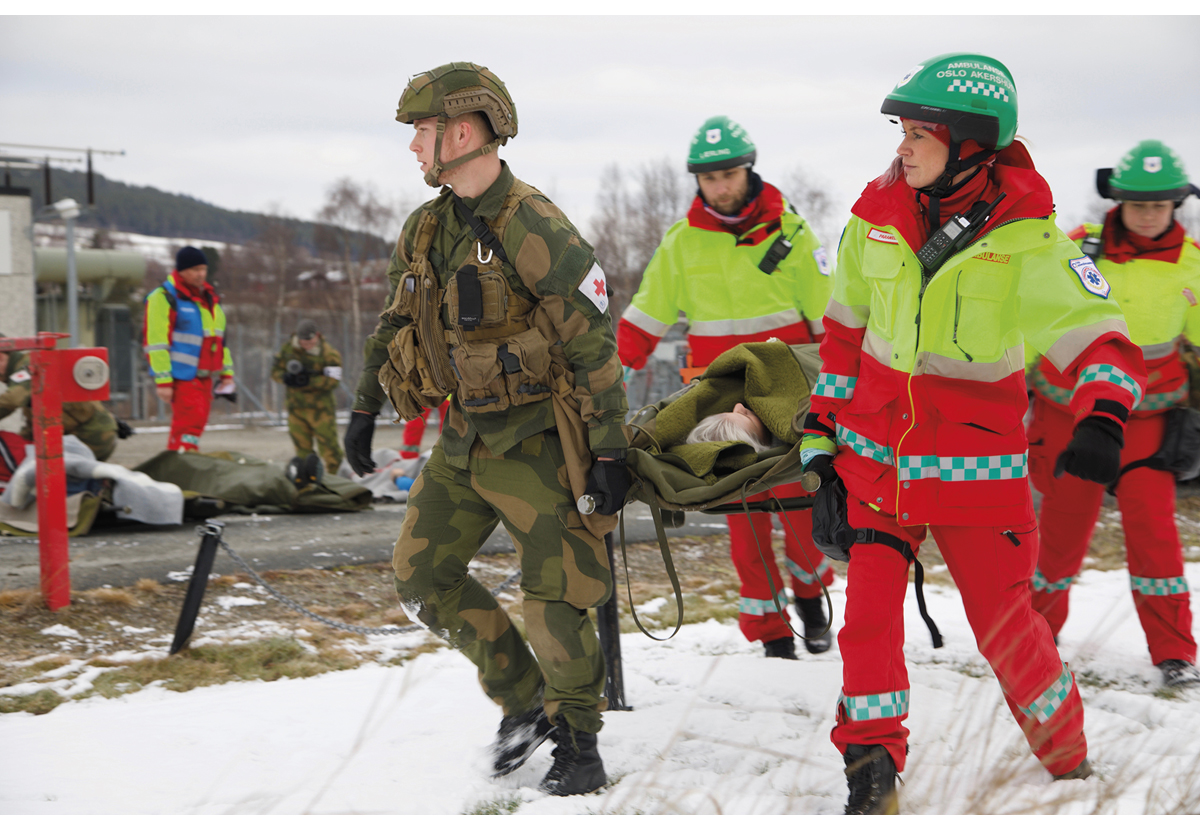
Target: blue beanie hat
189,257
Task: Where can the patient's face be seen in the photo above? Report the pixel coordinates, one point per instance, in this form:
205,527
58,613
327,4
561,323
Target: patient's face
750,421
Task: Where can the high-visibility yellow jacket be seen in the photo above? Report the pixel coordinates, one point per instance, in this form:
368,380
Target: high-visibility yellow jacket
1161,304
924,387
185,333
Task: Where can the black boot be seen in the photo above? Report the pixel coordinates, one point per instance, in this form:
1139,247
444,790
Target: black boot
577,767
518,737
784,647
1178,673
871,776
818,633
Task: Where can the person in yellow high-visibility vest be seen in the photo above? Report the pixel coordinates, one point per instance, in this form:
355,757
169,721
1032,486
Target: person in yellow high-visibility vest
1153,269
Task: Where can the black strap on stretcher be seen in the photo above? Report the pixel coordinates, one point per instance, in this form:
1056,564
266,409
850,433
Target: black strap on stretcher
871,536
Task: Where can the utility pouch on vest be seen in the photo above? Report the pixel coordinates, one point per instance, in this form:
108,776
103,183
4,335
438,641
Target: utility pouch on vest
403,376
405,303
477,300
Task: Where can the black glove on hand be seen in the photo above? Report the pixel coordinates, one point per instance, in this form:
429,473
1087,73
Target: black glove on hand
229,396
608,483
822,465
124,430
1094,453
358,442
295,379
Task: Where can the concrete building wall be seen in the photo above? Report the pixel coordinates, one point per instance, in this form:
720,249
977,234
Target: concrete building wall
17,286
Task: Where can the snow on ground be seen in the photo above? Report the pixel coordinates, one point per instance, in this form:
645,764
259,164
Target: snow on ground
715,729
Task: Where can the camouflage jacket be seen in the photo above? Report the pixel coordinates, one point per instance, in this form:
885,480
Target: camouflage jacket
551,260
324,372
87,420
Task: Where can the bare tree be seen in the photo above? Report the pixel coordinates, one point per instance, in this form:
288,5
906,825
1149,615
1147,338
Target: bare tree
356,225
812,199
629,227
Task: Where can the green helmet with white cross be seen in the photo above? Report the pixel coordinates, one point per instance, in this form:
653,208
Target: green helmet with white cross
1150,172
973,95
719,144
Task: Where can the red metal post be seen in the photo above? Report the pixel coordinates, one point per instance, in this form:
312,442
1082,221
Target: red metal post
55,382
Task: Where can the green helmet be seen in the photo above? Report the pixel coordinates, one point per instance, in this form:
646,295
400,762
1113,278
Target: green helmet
1150,172
720,143
454,89
973,95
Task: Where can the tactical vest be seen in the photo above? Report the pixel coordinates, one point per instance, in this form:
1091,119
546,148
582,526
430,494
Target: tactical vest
473,338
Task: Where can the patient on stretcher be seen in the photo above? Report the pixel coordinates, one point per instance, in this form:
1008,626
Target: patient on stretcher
739,425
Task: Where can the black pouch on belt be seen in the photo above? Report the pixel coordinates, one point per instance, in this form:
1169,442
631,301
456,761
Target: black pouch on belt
470,297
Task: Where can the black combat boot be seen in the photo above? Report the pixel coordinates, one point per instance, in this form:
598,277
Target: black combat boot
818,633
577,767
1178,673
784,647
871,776
518,737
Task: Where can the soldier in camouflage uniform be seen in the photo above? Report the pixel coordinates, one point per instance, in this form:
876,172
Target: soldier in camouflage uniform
88,421
496,298
311,369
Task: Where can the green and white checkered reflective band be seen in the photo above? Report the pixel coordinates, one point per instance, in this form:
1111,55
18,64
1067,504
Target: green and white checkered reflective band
1040,583
835,386
761,607
864,446
1149,587
1049,390
1163,400
963,467
1049,701
875,707
1110,373
805,576
977,88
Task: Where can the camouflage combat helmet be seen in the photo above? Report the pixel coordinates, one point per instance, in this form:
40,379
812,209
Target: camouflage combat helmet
719,144
973,95
1150,172
453,89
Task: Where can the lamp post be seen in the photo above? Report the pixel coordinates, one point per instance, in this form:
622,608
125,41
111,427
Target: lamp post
68,209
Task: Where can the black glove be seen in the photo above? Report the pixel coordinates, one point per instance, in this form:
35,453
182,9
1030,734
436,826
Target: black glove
229,396
358,442
1094,453
608,483
124,430
822,465
295,379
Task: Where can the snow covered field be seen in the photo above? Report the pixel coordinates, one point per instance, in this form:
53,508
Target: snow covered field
715,729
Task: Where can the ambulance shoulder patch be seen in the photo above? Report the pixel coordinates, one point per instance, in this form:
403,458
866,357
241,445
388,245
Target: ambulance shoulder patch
882,236
1189,296
1093,281
822,260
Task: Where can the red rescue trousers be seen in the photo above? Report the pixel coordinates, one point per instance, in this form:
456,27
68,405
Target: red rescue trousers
414,430
189,413
1070,507
991,567
758,617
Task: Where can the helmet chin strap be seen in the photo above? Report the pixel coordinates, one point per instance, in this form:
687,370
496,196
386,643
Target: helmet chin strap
944,185
434,173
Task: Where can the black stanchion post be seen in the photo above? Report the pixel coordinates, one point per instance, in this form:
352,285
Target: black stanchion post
210,535
608,622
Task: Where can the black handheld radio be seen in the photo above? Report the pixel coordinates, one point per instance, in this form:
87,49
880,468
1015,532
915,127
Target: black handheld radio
955,235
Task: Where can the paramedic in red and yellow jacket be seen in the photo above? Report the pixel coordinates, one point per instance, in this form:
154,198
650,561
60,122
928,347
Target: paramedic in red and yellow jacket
920,402
1153,270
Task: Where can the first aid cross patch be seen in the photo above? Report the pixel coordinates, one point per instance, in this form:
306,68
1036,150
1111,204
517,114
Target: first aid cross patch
823,261
594,288
20,377
1093,281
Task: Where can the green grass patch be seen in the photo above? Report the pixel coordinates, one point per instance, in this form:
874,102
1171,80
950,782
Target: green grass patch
38,703
503,806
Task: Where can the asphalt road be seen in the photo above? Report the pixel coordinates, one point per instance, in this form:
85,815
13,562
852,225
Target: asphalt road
119,556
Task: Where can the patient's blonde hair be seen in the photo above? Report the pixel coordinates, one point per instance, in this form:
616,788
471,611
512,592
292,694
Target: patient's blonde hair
723,427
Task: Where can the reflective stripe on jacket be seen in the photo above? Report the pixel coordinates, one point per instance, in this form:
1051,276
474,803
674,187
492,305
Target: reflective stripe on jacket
925,388
717,284
1160,302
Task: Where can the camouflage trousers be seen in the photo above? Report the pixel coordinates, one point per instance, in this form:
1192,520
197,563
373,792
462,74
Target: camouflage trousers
317,425
564,571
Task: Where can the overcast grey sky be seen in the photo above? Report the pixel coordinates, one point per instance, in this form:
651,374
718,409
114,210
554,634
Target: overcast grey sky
246,112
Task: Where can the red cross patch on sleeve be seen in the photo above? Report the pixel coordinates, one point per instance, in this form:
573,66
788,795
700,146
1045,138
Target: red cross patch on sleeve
594,288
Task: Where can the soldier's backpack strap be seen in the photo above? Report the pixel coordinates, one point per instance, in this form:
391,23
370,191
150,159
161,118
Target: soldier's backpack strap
490,237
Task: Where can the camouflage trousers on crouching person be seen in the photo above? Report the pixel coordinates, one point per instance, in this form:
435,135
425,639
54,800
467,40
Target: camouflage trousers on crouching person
564,571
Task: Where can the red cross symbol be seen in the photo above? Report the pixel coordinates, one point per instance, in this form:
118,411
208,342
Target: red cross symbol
599,286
